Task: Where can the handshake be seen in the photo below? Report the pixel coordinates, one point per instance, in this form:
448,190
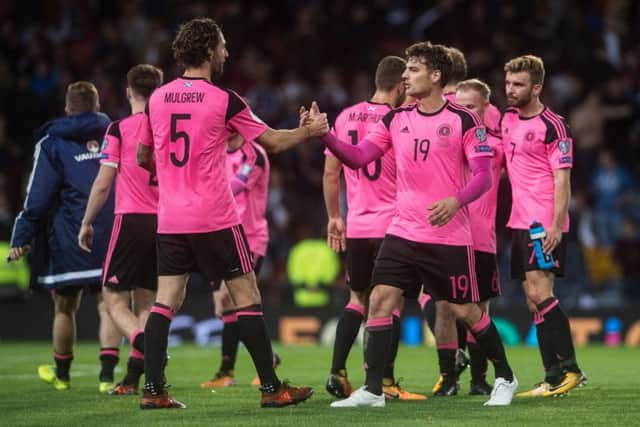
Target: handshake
314,121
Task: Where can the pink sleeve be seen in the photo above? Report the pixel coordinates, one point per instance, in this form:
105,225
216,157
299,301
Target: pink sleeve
475,143
380,135
479,183
237,185
239,118
146,136
110,151
560,153
354,156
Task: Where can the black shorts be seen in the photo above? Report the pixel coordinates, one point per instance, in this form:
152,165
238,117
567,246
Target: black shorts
487,274
215,284
361,257
131,261
219,255
445,271
523,257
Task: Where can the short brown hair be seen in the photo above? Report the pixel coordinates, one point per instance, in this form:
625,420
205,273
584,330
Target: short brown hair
434,56
143,79
81,97
194,40
389,72
476,84
531,64
459,65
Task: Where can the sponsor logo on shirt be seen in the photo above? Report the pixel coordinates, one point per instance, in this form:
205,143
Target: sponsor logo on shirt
481,134
404,129
564,146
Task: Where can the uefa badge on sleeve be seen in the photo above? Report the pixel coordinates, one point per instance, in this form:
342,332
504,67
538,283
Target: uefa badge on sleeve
564,146
105,143
481,134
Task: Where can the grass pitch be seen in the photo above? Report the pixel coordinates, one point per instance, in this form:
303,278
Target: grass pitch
611,398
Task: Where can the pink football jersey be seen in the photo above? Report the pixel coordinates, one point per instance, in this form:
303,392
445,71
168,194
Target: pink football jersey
535,147
371,190
250,164
432,152
136,190
191,120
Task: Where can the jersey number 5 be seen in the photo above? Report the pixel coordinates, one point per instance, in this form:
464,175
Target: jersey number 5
175,135
365,169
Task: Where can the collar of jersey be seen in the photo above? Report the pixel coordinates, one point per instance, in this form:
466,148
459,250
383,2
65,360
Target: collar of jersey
446,102
534,116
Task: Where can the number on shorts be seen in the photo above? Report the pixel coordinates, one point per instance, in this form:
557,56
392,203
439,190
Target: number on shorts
459,284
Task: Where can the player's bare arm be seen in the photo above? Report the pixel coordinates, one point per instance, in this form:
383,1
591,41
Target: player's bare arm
97,198
276,140
336,230
561,196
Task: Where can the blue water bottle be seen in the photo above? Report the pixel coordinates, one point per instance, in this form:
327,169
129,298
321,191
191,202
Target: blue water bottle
537,235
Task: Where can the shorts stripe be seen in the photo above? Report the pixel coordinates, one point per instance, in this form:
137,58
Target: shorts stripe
475,292
117,224
245,258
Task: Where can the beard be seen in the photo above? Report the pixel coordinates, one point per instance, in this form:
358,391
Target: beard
520,102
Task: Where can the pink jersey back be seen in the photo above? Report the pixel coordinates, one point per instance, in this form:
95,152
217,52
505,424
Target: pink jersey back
136,189
371,190
431,152
482,212
534,148
251,164
191,120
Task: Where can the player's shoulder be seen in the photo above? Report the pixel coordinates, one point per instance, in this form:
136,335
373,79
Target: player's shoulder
114,127
468,118
395,112
556,126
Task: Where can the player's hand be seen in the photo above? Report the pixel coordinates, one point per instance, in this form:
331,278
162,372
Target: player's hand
18,252
552,239
319,125
314,110
85,237
336,234
304,116
443,210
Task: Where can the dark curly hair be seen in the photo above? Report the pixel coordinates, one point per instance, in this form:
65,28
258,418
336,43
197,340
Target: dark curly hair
143,79
194,40
434,56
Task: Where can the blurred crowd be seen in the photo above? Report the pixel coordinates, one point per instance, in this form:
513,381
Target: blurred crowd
284,54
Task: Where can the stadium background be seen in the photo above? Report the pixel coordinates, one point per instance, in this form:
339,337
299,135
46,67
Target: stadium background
286,54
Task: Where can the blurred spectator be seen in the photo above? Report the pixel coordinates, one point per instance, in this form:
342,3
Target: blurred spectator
612,186
627,254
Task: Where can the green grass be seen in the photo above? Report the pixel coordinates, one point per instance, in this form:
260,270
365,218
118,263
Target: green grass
612,396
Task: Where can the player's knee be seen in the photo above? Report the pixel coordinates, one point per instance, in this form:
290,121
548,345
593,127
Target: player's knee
536,295
361,298
379,303
67,304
